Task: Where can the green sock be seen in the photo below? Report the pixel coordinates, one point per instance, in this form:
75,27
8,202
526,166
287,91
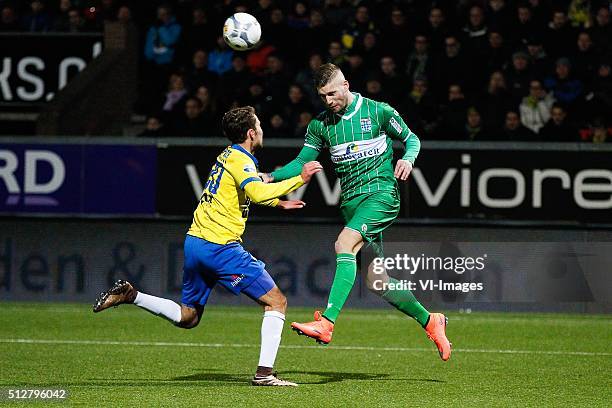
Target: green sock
346,269
405,302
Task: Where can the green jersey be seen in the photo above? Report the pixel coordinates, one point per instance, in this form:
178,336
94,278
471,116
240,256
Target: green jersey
360,143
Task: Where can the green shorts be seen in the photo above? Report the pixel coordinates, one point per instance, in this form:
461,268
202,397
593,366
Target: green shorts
371,214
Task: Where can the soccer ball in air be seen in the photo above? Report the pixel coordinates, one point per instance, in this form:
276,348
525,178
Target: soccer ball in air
241,31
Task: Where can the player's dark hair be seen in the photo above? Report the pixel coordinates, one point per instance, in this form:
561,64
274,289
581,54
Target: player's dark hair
237,122
324,74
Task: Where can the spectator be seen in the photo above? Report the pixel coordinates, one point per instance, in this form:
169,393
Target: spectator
454,114
299,19
162,38
235,82
154,127
420,61
106,11
514,131
535,108
518,76
369,48
585,58
436,31
475,33
541,12
336,12
175,98
191,123
599,99
355,70
262,12
220,59
335,53
302,125
357,27
494,103
305,79
8,20
317,36
199,34
525,26
124,15
558,129
257,59
597,132
579,13
276,80
37,20
393,83
75,23
396,29
277,127
278,34
601,32
373,90
540,62
61,20
208,110
495,56
419,109
474,128
296,104
257,99
198,73
452,68
565,89
558,35
498,16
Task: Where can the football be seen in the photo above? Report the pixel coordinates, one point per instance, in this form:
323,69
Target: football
241,31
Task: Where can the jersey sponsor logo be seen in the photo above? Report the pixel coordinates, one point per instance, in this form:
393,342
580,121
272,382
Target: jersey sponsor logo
359,149
249,168
366,125
395,125
236,279
352,148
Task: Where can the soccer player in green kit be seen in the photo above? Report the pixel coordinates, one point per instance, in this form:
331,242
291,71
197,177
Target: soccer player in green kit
358,132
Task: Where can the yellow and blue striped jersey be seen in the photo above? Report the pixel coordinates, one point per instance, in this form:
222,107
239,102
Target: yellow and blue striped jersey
232,185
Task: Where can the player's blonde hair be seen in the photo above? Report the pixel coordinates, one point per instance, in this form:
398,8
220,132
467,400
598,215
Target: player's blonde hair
324,74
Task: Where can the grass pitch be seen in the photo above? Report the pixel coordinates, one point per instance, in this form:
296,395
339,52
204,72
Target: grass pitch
126,357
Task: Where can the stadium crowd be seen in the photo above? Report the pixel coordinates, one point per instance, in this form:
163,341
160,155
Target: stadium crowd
520,70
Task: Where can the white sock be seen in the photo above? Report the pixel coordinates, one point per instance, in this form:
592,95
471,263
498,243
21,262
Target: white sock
159,306
271,330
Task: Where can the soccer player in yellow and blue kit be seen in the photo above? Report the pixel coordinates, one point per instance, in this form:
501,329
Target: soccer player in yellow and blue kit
213,253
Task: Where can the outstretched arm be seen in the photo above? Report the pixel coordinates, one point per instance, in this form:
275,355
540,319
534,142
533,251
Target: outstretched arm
294,167
260,192
312,147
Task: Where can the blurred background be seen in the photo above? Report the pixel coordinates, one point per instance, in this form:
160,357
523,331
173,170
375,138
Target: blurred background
110,114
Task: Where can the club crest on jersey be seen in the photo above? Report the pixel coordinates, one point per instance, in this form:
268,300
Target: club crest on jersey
366,125
249,168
